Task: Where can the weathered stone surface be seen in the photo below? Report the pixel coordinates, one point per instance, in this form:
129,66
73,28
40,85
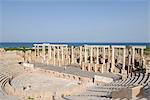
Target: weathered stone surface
128,93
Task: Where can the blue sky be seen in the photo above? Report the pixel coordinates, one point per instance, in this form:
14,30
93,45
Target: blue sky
74,21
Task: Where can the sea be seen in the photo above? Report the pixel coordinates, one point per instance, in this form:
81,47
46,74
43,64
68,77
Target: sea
30,44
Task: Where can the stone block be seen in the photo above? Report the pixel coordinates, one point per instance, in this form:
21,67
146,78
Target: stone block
128,93
124,73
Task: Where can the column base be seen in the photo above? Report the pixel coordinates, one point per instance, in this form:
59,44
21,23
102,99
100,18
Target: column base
82,66
89,67
124,73
95,68
102,69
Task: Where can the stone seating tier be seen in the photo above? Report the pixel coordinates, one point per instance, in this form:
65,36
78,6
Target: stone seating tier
105,90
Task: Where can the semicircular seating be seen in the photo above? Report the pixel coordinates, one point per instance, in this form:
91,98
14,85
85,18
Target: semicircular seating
105,90
99,92
9,68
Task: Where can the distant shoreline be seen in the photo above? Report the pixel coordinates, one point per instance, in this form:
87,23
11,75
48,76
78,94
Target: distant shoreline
30,44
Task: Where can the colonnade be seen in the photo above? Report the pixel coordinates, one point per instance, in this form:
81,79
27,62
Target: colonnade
97,58
94,57
53,54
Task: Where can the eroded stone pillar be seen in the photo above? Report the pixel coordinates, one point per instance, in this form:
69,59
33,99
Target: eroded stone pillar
69,53
54,55
97,58
133,54
72,55
112,60
89,66
142,52
95,69
103,65
58,57
124,57
35,52
124,72
142,57
38,51
43,52
129,61
49,52
80,55
108,63
91,56
62,55
85,54
67,56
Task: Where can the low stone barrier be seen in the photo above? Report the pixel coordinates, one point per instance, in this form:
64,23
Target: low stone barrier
64,75
102,79
28,65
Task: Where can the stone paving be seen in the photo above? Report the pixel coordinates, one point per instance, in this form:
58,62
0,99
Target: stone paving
75,70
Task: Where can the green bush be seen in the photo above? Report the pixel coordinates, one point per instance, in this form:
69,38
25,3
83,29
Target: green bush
30,98
18,49
147,50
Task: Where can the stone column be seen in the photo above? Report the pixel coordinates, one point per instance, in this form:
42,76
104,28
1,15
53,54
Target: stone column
142,52
129,60
95,69
108,63
80,55
124,72
97,60
67,56
38,51
91,56
117,51
133,54
112,60
85,54
54,55
49,52
58,56
124,58
43,50
142,56
129,63
62,55
35,53
103,59
89,66
69,53
72,55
